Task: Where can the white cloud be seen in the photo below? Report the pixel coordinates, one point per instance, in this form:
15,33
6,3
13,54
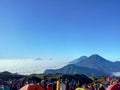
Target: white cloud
116,73
30,66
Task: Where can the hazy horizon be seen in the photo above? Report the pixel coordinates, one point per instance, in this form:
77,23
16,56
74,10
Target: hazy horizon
33,66
30,66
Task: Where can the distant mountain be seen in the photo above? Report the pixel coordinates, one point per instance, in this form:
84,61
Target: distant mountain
117,63
78,60
73,69
99,63
38,59
93,65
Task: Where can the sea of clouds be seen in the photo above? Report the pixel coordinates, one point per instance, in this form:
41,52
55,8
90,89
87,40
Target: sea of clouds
116,73
30,66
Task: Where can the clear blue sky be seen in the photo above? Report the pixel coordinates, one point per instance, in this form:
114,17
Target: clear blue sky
59,29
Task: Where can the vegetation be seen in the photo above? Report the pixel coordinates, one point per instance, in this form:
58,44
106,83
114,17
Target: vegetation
52,77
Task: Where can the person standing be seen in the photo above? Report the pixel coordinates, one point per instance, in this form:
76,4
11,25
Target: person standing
62,86
58,85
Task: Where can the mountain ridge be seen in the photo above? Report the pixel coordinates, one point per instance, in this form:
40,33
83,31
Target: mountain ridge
79,59
94,63
73,69
99,63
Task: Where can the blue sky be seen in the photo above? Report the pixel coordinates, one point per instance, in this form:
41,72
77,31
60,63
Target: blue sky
59,29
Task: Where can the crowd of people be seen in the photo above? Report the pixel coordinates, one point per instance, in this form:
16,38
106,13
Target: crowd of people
59,84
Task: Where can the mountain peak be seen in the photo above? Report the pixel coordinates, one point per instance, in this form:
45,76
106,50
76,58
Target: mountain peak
82,57
78,60
96,57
